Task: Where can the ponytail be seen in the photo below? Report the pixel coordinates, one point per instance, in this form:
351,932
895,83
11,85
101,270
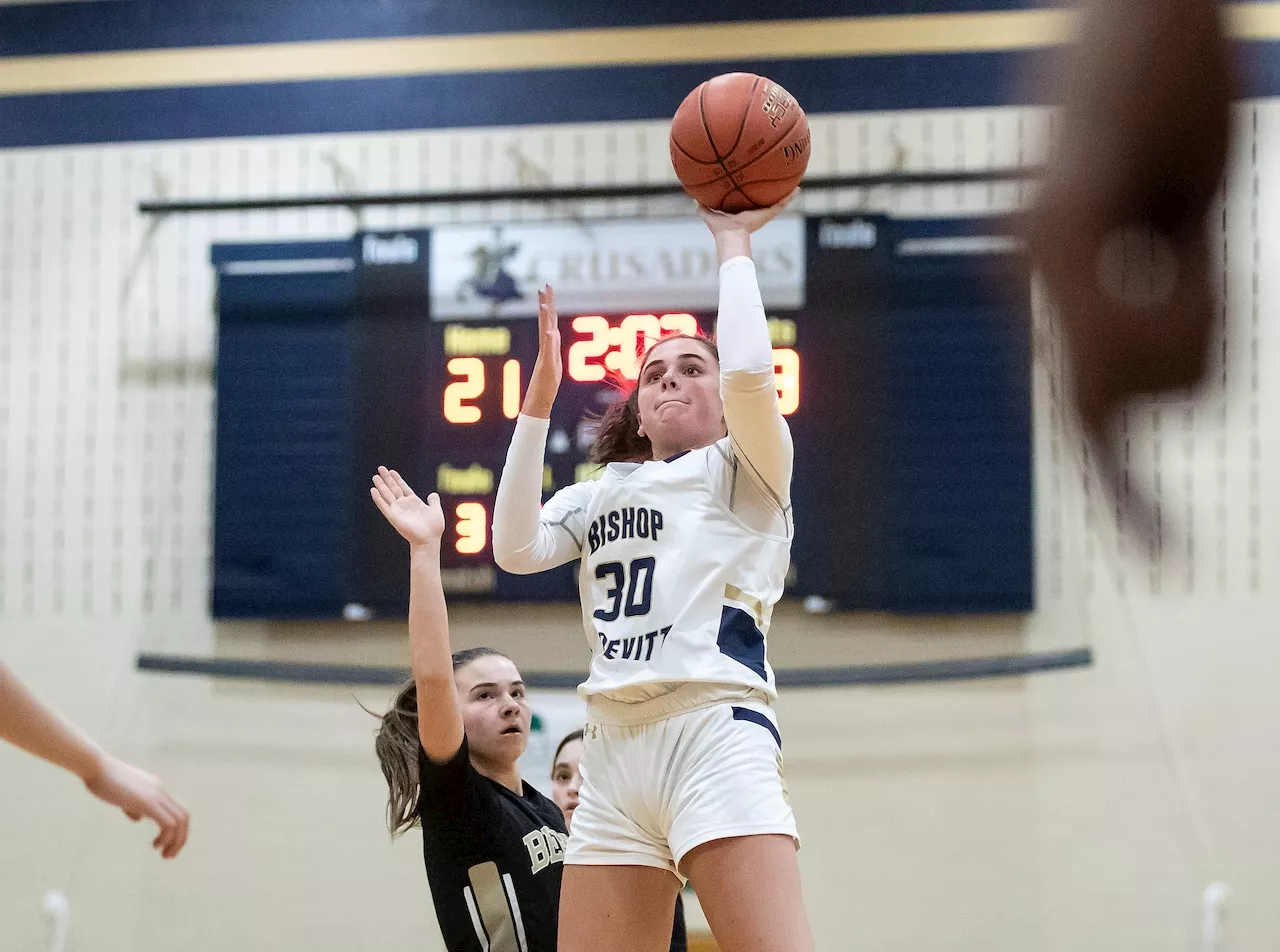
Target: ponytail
397,745
618,438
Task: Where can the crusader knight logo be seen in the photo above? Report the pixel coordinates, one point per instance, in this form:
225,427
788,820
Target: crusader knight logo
490,279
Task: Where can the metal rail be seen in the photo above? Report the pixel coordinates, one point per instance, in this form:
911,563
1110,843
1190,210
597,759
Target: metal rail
577,193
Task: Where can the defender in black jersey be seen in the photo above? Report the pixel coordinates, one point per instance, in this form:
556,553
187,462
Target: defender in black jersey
493,858
493,846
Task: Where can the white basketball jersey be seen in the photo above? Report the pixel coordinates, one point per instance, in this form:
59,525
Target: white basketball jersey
675,583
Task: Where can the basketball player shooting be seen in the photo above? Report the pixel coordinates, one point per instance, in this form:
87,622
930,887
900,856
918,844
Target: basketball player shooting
685,542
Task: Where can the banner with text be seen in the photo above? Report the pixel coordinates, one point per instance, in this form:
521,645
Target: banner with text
494,271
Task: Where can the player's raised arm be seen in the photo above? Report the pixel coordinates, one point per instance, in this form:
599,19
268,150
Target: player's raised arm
544,384
421,524
756,426
528,537
1138,156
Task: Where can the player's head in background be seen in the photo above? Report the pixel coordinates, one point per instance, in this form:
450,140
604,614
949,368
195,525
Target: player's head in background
495,719
566,774
674,406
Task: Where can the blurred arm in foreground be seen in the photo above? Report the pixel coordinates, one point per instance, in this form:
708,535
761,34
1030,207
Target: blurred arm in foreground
27,723
1120,230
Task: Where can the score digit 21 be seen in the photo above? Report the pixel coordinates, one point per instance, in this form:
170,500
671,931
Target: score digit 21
597,348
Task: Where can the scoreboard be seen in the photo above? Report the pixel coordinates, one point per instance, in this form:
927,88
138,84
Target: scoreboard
902,366
478,376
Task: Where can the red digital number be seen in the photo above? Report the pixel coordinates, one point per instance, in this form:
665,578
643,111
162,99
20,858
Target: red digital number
603,349
472,527
786,375
471,384
582,352
457,408
511,389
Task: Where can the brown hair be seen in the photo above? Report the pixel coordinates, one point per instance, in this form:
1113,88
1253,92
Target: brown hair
618,438
568,738
397,746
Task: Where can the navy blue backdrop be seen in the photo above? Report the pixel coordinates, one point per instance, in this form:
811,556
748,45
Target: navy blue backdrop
913,436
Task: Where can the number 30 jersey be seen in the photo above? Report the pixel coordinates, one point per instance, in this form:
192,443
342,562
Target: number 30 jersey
682,559
682,563
676,585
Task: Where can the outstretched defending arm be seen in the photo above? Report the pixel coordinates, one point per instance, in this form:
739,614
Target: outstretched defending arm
421,524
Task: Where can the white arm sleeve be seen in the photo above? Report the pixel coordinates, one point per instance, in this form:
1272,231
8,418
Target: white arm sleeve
527,536
758,433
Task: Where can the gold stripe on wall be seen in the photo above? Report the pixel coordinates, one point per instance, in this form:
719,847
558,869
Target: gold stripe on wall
552,49
1254,21
838,37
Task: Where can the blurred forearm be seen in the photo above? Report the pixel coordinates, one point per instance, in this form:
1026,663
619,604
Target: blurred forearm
27,722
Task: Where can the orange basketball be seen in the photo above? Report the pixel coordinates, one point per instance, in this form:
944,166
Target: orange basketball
739,141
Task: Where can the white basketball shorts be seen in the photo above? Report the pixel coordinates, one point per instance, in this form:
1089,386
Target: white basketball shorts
652,792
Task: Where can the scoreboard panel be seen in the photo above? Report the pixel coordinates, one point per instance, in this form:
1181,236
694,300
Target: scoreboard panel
478,375
911,488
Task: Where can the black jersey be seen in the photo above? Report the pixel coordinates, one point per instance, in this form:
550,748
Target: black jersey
494,858
679,939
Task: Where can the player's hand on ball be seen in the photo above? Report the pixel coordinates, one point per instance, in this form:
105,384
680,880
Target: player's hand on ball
751,220
547,369
420,523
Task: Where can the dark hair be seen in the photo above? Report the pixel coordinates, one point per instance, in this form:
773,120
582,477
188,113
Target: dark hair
618,438
568,738
396,744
